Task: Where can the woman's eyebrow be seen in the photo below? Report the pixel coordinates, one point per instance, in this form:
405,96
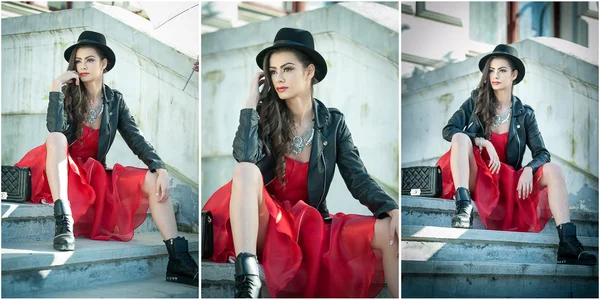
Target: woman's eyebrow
499,67
86,57
288,63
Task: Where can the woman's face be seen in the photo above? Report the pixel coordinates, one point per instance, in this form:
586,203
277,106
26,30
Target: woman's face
500,75
289,77
88,64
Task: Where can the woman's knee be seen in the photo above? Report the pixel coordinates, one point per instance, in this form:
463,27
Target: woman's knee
553,171
56,140
247,173
149,185
461,139
381,235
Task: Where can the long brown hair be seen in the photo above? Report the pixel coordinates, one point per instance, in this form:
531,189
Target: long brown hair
485,106
276,122
76,99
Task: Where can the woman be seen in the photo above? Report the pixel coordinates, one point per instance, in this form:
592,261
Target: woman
488,134
275,210
69,168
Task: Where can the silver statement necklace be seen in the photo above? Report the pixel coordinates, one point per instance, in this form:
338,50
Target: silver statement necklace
501,119
95,112
299,142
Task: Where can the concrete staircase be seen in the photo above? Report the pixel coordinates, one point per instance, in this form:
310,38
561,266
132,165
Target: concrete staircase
218,281
32,268
440,261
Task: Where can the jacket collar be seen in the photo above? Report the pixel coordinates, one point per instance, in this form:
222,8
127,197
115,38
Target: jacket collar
109,95
518,108
321,113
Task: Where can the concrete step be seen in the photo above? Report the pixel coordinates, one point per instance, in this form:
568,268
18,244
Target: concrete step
154,287
451,279
33,267
218,281
429,243
439,212
35,222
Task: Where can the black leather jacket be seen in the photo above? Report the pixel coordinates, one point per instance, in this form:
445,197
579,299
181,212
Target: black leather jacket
523,131
332,143
116,116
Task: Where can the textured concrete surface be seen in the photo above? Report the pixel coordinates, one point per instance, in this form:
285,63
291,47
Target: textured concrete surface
217,281
428,243
29,268
155,287
561,85
359,42
439,212
35,222
497,280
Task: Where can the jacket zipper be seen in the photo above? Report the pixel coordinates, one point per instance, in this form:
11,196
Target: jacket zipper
324,182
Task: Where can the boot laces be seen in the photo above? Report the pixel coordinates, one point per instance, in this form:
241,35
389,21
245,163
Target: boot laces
63,222
462,206
244,284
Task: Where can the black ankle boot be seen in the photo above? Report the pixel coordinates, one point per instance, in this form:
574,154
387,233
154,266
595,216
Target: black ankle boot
463,217
247,280
64,240
181,267
570,250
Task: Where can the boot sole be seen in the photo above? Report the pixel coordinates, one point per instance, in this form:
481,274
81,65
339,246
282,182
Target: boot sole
571,261
63,247
181,279
463,224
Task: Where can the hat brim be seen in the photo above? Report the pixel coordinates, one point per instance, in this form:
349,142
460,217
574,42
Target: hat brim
517,61
319,61
110,55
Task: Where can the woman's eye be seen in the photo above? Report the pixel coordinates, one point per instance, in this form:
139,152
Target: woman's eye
287,69
272,72
90,60
77,62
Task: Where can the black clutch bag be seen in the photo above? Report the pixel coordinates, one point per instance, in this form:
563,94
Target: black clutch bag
16,184
422,181
207,234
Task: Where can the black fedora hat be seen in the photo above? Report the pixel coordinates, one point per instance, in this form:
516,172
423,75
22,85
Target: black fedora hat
300,40
510,53
94,39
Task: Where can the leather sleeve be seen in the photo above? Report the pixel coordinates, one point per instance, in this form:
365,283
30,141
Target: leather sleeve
459,120
535,143
135,139
358,181
56,118
247,144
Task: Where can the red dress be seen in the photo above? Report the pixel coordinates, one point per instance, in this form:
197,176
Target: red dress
496,195
105,204
303,256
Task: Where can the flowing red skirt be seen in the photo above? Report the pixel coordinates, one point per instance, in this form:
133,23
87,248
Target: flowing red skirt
303,256
105,204
496,195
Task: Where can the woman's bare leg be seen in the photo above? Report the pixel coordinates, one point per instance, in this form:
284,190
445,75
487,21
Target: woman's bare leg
390,258
162,213
554,178
248,213
462,162
56,166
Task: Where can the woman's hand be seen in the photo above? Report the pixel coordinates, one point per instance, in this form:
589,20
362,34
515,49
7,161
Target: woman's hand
494,163
254,96
68,77
163,188
525,186
393,226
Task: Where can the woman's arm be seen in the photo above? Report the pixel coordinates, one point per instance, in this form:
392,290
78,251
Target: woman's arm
56,116
459,120
535,142
359,182
134,138
247,144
